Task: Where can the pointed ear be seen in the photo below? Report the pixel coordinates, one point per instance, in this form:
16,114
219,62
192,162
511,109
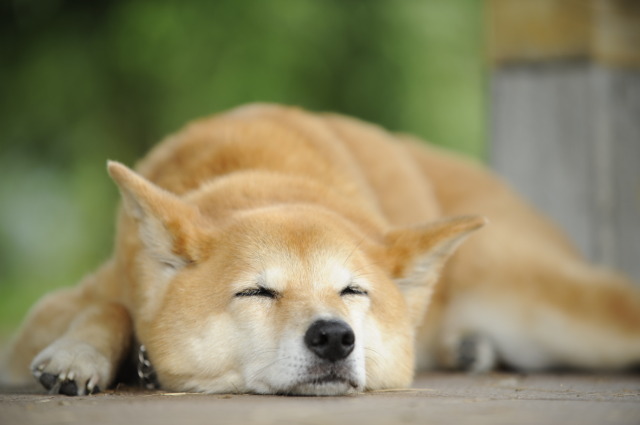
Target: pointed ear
418,254
168,226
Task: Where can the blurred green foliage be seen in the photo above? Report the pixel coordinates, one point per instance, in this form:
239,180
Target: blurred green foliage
83,81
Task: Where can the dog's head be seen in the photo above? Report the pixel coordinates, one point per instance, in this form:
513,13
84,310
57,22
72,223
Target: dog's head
286,299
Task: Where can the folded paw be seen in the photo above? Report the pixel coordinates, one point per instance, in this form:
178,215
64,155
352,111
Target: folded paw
475,353
72,367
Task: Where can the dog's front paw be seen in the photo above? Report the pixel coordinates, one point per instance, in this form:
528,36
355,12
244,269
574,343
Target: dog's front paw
72,367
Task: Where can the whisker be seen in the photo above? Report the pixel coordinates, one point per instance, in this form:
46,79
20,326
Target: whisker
262,369
355,248
368,265
373,359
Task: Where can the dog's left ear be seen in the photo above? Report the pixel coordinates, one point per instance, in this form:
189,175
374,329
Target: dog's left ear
418,254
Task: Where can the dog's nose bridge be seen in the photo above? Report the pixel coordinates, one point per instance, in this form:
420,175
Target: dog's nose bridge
318,305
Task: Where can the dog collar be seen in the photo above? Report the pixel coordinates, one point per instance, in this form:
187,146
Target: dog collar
146,373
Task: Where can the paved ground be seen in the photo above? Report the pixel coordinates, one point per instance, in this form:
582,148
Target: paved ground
450,399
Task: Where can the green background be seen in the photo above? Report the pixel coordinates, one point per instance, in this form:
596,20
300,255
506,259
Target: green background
82,81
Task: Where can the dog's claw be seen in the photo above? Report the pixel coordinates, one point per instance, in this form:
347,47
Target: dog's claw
92,388
67,386
37,371
55,388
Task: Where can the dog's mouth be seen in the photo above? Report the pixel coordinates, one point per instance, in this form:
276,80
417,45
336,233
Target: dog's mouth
329,383
330,378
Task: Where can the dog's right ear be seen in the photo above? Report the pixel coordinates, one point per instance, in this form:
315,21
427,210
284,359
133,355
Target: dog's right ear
167,225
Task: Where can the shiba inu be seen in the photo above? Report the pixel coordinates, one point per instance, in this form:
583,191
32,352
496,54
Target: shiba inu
271,250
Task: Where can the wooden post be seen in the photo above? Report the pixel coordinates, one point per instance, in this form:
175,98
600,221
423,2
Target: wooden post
565,99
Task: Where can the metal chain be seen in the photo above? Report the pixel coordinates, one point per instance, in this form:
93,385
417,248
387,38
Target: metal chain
146,372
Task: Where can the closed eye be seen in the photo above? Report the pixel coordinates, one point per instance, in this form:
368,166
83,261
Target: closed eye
353,290
260,291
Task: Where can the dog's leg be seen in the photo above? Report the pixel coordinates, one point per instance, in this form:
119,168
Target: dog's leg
86,358
470,352
53,317
521,285
47,321
456,348
546,324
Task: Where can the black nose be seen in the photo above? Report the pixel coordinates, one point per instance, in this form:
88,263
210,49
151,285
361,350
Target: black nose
331,340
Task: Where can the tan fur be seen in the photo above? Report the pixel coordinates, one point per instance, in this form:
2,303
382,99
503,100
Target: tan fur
340,220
